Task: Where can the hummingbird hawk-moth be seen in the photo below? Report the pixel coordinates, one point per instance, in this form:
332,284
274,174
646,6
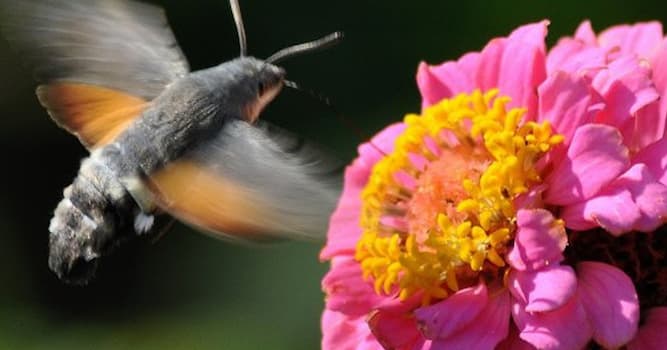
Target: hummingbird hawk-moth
163,139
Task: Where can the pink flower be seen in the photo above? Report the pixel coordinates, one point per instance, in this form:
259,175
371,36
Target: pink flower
511,213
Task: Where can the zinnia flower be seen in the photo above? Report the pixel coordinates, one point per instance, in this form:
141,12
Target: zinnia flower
519,209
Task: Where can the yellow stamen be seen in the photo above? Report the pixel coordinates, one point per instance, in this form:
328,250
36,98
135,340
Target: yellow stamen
468,232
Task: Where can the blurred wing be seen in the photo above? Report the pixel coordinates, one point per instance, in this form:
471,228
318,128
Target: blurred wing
121,45
251,183
94,58
96,115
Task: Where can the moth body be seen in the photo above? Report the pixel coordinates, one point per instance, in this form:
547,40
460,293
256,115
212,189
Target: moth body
109,188
163,139
194,108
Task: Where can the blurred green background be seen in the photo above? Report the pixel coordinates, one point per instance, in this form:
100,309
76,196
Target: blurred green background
189,291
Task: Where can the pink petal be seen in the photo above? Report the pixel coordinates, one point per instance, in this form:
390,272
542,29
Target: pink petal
394,330
523,66
659,67
647,127
640,39
615,212
543,290
585,33
380,145
431,87
655,158
651,121
575,57
424,345
445,318
514,342
396,223
530,34
393,324
651,335
447,79
455,75
489,64
567,102
634,201
340,332
609,298
469,63
539,241
531,199
563,328
346,290
497,66
344,230
560,56
405,180
397,306
595,157
489,328
649,195
626,87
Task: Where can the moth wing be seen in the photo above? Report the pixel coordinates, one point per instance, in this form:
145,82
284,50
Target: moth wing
109,52
122,45
251,182
96,115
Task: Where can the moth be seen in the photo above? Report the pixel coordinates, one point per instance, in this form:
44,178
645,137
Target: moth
163,139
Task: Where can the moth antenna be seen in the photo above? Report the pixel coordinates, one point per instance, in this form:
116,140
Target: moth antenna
340,116
319,44
240,29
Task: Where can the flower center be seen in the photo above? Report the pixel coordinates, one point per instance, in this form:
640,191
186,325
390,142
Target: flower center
642,256
438,212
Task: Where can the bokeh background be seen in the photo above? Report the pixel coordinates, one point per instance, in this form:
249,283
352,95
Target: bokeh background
189,291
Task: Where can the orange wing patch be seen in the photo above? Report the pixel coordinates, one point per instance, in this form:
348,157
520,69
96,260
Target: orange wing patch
209,201
96,115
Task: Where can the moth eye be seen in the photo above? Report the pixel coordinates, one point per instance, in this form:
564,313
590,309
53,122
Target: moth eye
260,88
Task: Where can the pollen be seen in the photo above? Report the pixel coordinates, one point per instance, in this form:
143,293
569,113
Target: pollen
438,212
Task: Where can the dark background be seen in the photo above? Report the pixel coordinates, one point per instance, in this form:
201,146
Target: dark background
189,291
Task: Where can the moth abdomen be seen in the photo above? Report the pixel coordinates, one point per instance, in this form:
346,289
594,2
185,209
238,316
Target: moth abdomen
87,220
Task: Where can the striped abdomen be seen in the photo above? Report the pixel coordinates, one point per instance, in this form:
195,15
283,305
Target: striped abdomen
96,207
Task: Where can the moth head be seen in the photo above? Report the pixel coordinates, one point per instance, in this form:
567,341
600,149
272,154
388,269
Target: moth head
270,78
266,82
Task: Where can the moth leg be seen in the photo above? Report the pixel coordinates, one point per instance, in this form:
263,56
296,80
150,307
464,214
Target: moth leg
140,193
143,222
143,218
